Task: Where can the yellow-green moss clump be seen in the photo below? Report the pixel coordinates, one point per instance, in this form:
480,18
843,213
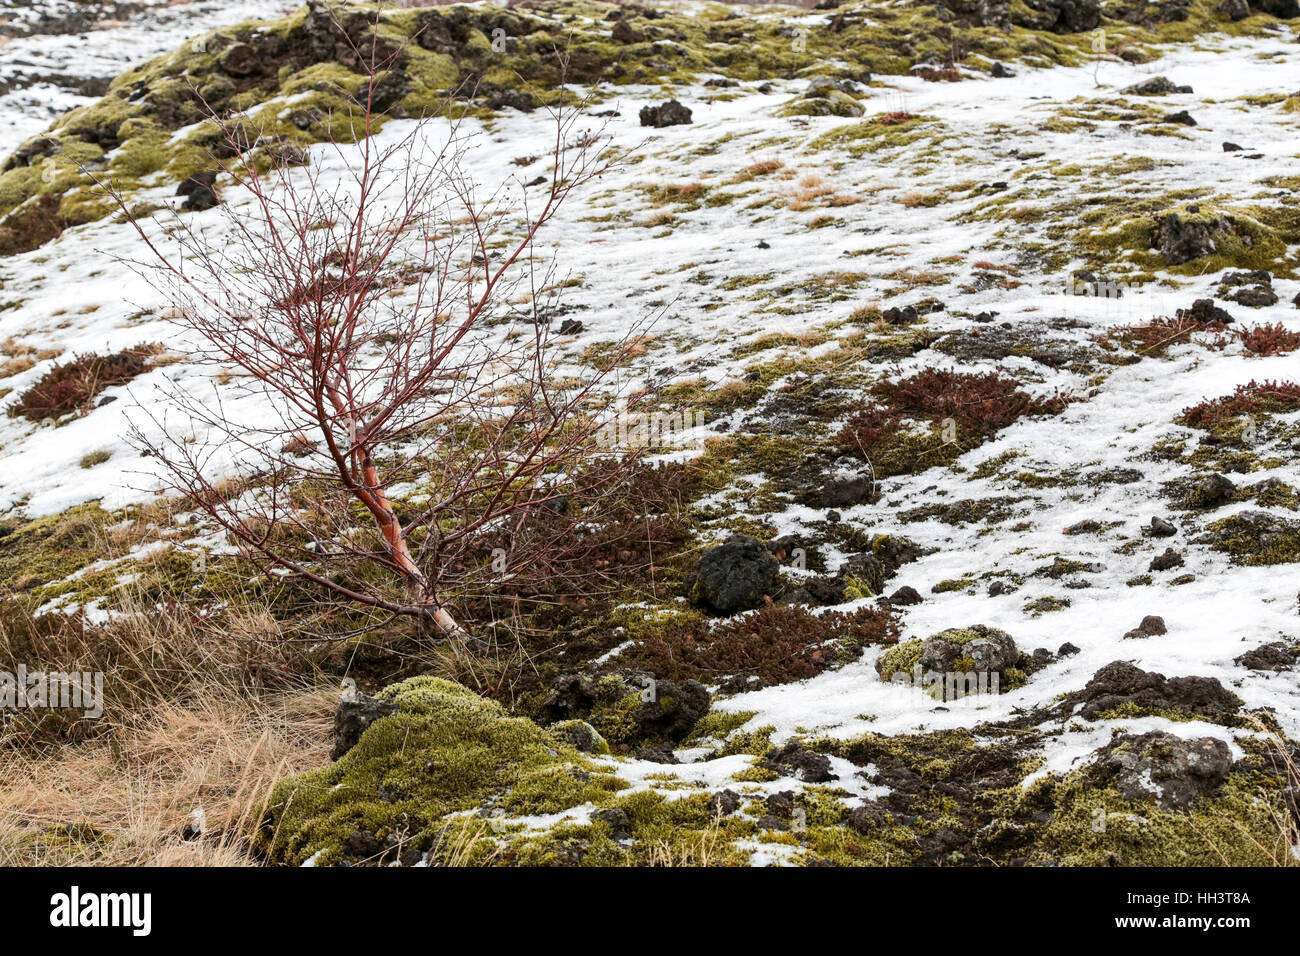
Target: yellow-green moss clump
1246,237
1239,825
445,751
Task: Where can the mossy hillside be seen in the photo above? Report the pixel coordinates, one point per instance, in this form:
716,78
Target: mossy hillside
296,78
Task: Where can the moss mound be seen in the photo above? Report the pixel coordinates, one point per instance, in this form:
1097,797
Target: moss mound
445,751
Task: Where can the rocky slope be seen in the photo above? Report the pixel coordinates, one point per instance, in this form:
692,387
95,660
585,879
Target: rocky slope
991,314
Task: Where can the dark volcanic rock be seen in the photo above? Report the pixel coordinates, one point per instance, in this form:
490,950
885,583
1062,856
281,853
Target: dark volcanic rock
734,576
1160,528
352,718
1156,86
1277,656
978,13
1173,770
1152,626
1282,9
1164,562
846,492
724,803
905,596
1205,312
1211,492
665,710
671,113
1060,16
200,191
1182,240
1119,683
793,760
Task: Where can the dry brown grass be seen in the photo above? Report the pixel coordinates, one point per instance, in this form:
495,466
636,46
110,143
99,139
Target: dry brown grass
197,717
754,170
126,800
810,189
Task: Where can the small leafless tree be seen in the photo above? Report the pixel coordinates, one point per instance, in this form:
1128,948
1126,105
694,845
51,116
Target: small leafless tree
392,424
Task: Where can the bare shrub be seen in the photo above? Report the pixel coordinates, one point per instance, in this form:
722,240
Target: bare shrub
395,426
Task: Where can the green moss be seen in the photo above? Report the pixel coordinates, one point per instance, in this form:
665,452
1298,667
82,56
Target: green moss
1045,605
826,103
1255,538
1097,826
95,458
445,750
900,659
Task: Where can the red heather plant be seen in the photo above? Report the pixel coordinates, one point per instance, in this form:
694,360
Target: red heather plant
1251,398
1152,338
776,644
72,386
980,404
1271,339
892,119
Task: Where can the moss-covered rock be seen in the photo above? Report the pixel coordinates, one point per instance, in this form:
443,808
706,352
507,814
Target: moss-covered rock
445,751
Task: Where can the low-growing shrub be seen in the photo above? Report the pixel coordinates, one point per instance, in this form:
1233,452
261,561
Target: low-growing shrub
71,387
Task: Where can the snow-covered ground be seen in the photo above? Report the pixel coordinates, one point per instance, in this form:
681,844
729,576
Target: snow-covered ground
74,295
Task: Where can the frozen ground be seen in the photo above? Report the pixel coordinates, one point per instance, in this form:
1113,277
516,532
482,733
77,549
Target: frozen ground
73,296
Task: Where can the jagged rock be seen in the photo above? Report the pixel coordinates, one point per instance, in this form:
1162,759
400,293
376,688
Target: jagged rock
1254,297
352,718
734,576
1156,86
1282,9
200,191
1277,656
792,760
1253,289
1182,118
1234,10
1059,16
982,13
654,709
1205,312
1066,650
1119,683
1175,771
671,113
620,825
723,803
501,97
1182,240
1164,562
1000,72
1160,528
1211,492
905,596
1232,147
1152,626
